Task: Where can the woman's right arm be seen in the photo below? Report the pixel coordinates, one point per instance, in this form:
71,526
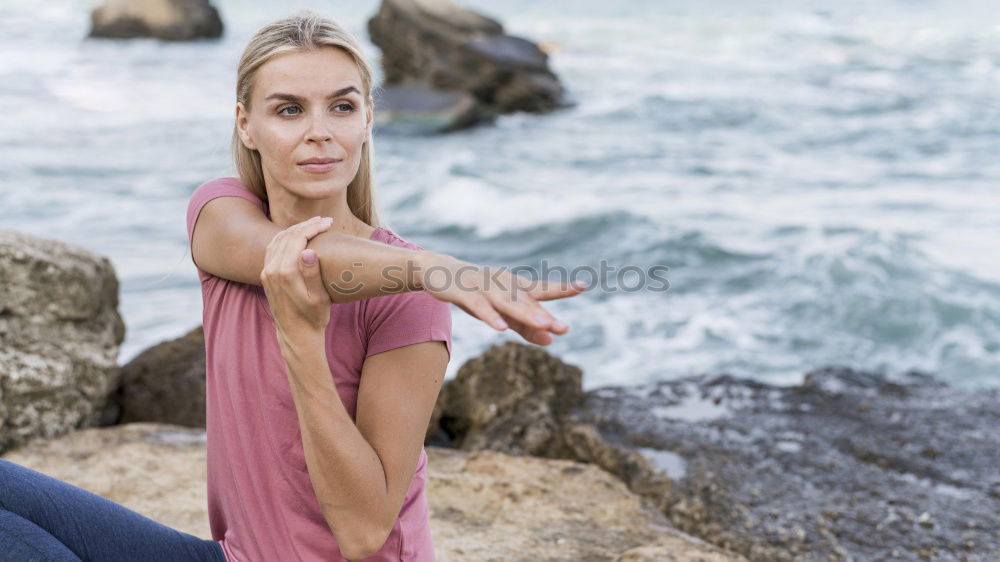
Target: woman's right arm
230,241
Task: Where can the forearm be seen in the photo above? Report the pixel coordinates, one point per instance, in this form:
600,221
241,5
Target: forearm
355,268
346,472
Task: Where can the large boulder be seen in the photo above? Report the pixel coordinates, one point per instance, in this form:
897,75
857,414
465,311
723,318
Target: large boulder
59,337
452,68
484,505
847,465
174,20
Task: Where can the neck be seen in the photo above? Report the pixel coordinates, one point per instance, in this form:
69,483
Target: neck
287,209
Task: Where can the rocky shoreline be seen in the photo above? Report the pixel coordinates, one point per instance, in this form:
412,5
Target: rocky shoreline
847,465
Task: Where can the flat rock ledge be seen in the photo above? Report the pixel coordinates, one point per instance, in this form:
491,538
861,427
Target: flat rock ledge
485,505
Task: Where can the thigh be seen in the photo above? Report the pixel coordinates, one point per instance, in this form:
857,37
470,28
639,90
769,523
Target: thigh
24,541
94,527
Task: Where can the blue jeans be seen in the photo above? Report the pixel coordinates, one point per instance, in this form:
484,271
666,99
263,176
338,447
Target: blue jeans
45,519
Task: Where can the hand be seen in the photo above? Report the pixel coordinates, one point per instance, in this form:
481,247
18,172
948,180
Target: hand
494,296
294,288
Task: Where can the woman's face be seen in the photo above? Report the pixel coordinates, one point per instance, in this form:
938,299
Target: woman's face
307,104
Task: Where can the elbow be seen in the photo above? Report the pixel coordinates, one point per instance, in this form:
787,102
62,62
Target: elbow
364,542
365,546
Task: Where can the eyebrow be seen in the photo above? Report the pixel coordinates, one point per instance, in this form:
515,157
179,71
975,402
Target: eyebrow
299,99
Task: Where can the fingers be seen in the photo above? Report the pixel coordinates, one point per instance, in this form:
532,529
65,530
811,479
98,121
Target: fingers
480,308
282,255
312,280
547,291
293,239
526,310
312,227
533,335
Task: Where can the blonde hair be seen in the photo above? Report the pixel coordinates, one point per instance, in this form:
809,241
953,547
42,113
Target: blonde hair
304,30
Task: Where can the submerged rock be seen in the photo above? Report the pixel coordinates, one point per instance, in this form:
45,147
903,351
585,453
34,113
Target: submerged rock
447,67
174,20
59,337
484,505
847,465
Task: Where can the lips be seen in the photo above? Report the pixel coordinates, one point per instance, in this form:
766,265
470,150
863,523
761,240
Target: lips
319,165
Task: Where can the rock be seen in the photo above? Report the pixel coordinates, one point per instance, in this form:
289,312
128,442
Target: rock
59,337
833,469
492,506
484,505
513,398
847,465
451,68
509,399
174,20
677,548
165,383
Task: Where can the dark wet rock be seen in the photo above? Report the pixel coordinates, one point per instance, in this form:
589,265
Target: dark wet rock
59,337
449,67
174,20
847,465
509,399
165,384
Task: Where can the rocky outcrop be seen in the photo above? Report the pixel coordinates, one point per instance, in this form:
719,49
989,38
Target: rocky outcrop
847,465
165,383
451,68
174,20
510,399
517,399
59,337
484,505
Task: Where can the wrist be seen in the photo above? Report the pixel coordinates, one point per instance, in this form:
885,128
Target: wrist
298,338
422,260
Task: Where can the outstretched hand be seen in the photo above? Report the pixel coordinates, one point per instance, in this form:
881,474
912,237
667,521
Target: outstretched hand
497,297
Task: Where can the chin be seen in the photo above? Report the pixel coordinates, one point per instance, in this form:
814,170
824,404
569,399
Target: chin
318,188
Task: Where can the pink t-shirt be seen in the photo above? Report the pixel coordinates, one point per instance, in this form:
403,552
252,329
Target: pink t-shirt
261,503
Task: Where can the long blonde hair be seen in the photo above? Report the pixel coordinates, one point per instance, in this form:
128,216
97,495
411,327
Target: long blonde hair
304,30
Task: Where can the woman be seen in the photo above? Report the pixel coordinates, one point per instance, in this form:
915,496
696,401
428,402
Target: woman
326,341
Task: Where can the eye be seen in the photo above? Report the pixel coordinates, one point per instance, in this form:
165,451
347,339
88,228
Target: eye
350,107
287,107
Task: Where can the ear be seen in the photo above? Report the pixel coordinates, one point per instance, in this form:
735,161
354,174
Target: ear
242,126
369,117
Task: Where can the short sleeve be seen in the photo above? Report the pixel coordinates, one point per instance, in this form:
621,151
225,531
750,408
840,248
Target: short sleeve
393,321
219,187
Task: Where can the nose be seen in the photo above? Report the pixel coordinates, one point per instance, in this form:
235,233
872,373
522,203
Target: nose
319,129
